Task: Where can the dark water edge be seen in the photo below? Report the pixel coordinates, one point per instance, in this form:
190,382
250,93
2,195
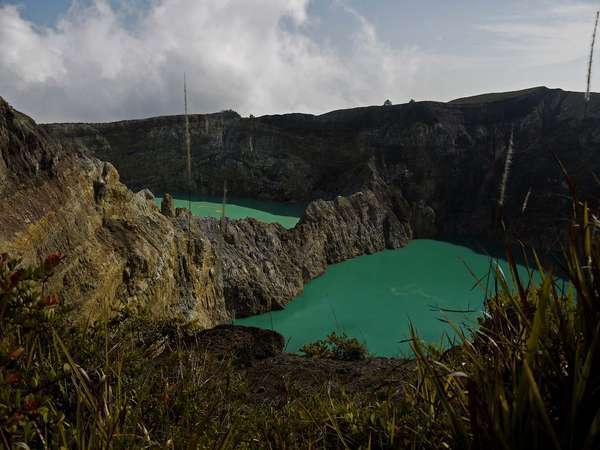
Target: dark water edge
522,254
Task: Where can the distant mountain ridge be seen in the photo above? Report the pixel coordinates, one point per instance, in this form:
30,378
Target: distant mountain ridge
444,157
498,96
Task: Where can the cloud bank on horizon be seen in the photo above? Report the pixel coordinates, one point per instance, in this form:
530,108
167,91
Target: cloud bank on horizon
107,61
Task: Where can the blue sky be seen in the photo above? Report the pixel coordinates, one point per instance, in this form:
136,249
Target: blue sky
43,12
114,59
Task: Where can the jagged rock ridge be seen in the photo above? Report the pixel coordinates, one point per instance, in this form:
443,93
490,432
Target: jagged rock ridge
120,250
265,265
422,169
446,159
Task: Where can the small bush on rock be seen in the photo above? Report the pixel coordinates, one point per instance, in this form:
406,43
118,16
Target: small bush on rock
336,346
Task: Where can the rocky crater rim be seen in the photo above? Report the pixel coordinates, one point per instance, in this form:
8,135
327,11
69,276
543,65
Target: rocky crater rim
375,178
471,99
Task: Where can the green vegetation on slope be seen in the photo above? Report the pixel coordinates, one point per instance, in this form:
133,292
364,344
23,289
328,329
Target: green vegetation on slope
528,378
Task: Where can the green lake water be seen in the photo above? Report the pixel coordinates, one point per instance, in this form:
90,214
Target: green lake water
286,214
374,297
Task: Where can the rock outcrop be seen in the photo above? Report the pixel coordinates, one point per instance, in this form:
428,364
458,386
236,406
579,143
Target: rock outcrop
167,207
263,266
447,159
118,249
246,345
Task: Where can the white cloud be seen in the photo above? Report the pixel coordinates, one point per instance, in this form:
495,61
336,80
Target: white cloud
575,9
558,33
24,51
542,42
261,57
251,56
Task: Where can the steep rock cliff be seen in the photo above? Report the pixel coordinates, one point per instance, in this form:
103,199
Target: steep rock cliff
118,249
386,174
263,266
446,158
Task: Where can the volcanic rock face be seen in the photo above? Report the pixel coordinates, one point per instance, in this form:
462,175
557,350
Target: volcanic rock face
118,248
154,147
167,207
265,265
447,159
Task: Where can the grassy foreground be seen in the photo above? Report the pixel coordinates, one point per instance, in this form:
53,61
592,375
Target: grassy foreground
528,378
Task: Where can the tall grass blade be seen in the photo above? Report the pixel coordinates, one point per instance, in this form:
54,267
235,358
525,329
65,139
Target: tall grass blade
591,60
539,402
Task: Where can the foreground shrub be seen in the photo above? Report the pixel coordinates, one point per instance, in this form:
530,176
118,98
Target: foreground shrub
136,383
529,377
334,346
125,383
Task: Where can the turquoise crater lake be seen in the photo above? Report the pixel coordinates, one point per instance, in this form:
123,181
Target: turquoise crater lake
286,214
375,297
